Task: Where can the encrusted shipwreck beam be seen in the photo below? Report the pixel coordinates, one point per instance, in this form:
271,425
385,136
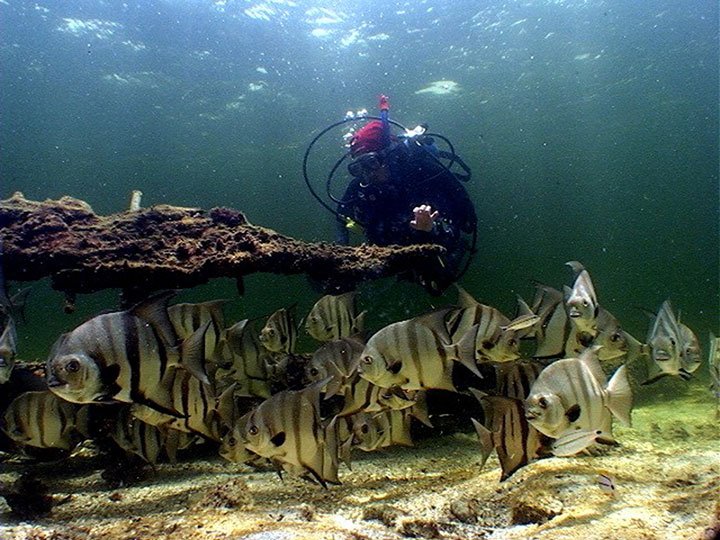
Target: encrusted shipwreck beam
164,247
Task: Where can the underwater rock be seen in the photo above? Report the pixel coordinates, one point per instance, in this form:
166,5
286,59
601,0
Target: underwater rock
233,494
164,247
534,508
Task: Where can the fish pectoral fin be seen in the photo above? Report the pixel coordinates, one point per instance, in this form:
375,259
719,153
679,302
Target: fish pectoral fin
573,413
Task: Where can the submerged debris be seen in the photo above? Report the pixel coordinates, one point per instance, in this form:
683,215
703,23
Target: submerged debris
171,247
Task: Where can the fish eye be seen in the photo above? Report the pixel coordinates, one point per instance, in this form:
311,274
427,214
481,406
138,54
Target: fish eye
585,303
615,337
72,366
512,342
364,429
543,402
231,441
314,372
487,344
368,359
253,430
271,331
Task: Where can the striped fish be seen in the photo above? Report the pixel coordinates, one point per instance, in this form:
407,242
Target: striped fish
362,395
124,356
248,360
334,317
581,301
690,353
287,429
496,336
188,318
665,339
372,431
614,342
43,420
514,379
412,355
137,437
280,332
556,335
570,396
506,430
8,350
338,360
194,403
552,330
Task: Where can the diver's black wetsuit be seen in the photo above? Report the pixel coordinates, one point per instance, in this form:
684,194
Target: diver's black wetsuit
385,211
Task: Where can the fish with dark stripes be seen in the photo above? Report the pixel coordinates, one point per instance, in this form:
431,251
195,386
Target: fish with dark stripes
194,403
571,402
337,359
557,336
280,332
506,430
515,379
126,357
665,345
137,437
334,317
188,318
362,395
415,354
581,301
43,420
287,429
690,352
248,365
496,336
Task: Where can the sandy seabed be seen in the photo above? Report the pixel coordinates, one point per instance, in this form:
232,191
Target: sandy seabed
666,472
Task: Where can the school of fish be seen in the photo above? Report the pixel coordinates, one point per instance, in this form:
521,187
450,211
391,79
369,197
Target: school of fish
159,378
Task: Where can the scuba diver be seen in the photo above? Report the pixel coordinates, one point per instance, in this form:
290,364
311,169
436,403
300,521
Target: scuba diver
401,193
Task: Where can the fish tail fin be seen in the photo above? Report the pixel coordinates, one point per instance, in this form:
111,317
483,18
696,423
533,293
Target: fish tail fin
620,395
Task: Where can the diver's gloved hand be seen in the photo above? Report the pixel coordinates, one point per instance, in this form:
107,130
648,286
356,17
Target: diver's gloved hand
424,218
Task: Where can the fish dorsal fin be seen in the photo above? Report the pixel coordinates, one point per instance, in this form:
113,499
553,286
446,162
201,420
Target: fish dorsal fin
225,405
154,311
435,320
619,395
465,299
576,267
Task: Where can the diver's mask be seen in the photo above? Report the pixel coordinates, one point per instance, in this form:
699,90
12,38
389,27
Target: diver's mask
365,164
